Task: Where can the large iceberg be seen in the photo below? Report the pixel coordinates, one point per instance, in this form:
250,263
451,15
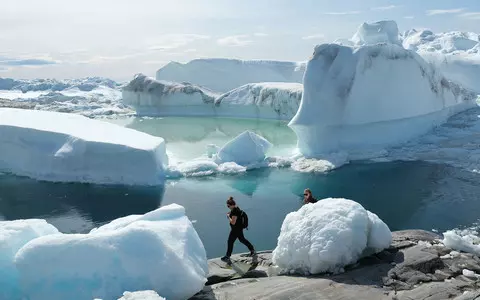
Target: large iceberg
222,75
159,98
327,236
370,97
13,236
456,54
375,33
159,251
267,100
71,148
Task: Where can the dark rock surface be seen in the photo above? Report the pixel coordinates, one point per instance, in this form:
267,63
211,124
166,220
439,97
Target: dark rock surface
416,266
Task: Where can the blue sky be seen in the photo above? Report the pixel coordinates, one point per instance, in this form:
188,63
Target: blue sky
118,38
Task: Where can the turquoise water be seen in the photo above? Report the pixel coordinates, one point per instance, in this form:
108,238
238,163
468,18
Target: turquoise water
404,194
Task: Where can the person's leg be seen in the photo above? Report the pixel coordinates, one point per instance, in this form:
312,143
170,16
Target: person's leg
244,241
231,240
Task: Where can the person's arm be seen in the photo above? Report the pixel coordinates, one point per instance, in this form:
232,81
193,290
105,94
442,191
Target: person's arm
233,220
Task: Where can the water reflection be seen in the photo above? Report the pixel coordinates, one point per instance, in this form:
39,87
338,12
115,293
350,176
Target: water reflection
73,207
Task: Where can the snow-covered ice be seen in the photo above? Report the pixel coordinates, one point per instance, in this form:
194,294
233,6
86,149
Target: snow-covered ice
270,100
327,236
266,100
371,96
467,240
152,97
68,147
246,149
13,236
222,75
91,97
376,33
159,251
141,295
456,54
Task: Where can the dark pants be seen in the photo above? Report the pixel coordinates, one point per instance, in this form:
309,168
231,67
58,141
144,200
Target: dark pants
237,234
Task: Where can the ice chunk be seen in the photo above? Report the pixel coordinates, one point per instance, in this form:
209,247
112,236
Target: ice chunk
469,273
266,100
67,147
245,149
158,251
379,235
462,241
375,33
371,97
327,236
13,236
142,295
222,75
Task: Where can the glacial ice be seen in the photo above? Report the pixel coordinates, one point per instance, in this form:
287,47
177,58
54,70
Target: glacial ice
141,295
327,236
267,100
13,236
246,149
376,95
159,251
462,240
376,33
71,148
222,75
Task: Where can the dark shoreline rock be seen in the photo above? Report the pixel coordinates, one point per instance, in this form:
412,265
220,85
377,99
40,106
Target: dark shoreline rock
415,266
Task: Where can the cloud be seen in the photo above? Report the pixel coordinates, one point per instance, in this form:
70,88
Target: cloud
385,7
260,34
409,17
190,50
434,12
16,62
471,15
314,37
235,41
341,13
174,41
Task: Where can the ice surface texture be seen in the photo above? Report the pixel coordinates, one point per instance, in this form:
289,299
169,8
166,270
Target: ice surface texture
68,147
327,236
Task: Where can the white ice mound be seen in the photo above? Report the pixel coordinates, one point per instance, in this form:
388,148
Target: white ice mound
246,149
266,100
222,75
375,33
445,42
13,236
142,295
72,148
327,236
371,96
158,251
154,97
462,240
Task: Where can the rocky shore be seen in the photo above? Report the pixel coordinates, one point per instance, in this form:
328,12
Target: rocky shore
416,266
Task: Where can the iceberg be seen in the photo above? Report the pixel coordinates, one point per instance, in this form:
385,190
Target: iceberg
64,147
327,236
158,251
246,149
222,75
150,97
371,96
375,33
266,100
456,54
13,236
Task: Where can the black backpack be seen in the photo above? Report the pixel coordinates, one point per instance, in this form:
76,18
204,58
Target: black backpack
244,218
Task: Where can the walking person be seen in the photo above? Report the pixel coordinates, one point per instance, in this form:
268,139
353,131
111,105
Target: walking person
307,197
238,221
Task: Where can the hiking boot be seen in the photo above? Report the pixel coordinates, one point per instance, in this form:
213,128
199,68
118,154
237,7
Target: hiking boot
253,253
226,259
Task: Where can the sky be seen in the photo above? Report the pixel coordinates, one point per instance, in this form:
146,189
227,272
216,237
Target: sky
120,38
